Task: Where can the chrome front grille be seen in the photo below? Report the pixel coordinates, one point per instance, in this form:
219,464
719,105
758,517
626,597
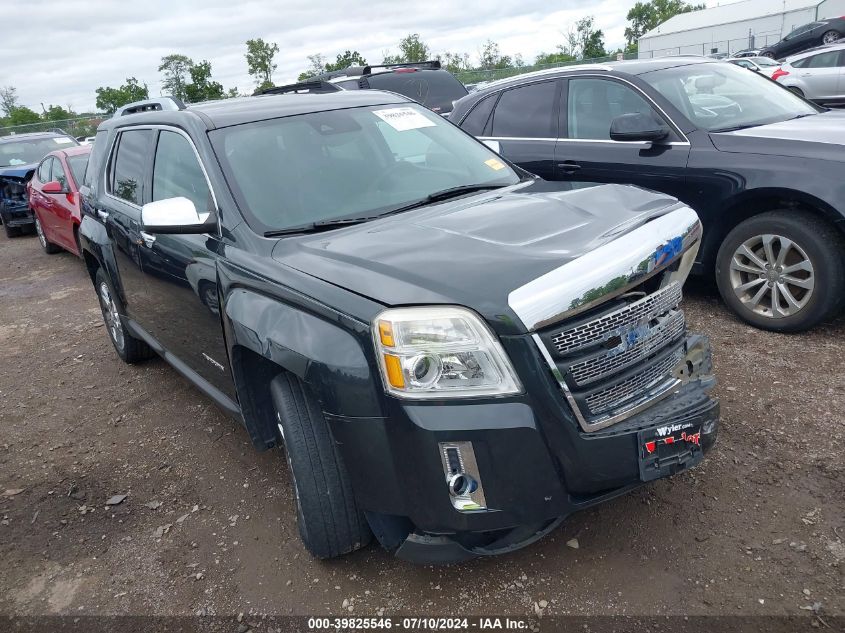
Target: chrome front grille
634,346
646,309
639,387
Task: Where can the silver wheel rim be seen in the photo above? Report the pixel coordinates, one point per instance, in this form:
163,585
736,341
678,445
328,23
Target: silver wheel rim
772,276
830,37
111,316
40,231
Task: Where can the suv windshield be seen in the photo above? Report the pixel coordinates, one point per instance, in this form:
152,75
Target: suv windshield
353,163
29,151
721,97
435,89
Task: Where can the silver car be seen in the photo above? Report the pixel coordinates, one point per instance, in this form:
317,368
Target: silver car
818,75
763,65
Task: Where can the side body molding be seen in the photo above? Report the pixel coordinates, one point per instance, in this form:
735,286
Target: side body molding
325,355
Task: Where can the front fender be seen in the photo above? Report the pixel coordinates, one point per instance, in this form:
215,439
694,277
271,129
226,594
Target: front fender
328,356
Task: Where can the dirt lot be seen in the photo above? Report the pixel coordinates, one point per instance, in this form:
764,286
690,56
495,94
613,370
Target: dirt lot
208,524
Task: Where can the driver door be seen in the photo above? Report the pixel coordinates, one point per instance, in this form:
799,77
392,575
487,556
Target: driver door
585,151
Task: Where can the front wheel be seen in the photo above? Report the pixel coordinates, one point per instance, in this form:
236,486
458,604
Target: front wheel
782,271
330,522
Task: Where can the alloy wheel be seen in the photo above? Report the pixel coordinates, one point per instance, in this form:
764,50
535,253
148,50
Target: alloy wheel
830,37
112,317
41,237
772,276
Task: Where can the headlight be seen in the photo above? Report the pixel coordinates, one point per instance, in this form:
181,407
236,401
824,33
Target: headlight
441,352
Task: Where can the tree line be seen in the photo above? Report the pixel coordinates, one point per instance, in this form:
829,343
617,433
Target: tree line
192,81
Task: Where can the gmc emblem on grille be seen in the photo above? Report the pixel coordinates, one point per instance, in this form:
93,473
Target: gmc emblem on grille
627,338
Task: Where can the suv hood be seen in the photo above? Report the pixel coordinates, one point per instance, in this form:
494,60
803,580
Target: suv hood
820,136
474,251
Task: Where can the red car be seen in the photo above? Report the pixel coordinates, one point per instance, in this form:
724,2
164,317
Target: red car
54,198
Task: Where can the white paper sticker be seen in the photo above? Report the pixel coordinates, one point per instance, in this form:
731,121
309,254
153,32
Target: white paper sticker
61,140
403,119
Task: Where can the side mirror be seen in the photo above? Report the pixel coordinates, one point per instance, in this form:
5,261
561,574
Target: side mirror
175,215
637,126
54,186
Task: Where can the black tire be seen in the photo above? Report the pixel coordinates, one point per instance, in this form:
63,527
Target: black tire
830,36
330,523
47,245
130,349
823,247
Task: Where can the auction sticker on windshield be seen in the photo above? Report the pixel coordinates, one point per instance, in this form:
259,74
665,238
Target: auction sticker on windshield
62,141
403,119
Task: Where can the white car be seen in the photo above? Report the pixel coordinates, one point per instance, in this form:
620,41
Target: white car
818,75
763,65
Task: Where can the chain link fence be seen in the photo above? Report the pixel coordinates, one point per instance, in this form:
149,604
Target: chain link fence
77,127
468,77
720,47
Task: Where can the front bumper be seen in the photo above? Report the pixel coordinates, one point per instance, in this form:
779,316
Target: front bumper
16,215
536,463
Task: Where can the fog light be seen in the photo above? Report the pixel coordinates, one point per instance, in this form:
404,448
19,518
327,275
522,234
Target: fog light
463,480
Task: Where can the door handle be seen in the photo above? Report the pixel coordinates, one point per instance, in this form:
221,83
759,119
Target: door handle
148,239
103,215
569,167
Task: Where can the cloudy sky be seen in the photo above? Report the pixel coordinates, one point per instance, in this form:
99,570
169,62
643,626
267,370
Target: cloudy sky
60,51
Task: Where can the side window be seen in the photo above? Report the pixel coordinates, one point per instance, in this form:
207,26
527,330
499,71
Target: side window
44,170
823,60
59,174
128,165
475,122
594,103
527,112
177,172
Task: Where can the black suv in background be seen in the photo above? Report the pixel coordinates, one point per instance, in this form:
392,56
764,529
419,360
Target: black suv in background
19,157
761,166
424,82
454,354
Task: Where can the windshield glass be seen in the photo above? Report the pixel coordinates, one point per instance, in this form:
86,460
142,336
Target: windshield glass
29,151
435,89
353,163
724,96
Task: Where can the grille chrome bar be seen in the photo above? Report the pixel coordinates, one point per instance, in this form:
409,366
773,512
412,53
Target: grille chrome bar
638,386
598,331
667,330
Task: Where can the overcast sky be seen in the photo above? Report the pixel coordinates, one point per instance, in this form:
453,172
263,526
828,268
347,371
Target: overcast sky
60,51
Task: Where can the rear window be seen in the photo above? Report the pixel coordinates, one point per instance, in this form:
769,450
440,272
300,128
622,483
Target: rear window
77,166
435,89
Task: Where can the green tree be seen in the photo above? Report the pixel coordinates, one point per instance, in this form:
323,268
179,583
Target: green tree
8,99
317,65
259,61
455,62
345,60
553,58
58,113
490,57
110,99
176,69
411,49
21,115
644,16
590,39
202,87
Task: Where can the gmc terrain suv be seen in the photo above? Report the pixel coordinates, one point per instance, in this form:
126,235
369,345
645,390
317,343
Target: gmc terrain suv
454,354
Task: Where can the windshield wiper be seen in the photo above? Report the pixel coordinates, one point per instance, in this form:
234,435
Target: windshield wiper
317,227
445,194
748,125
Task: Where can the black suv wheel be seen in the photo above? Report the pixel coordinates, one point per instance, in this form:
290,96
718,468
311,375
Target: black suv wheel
329,520
130,349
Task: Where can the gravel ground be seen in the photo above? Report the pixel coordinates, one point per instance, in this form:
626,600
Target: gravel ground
207,525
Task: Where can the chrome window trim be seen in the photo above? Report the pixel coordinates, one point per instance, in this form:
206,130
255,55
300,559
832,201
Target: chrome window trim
160,127
642,144
555,296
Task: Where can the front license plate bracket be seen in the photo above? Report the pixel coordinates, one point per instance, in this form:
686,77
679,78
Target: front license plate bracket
669,449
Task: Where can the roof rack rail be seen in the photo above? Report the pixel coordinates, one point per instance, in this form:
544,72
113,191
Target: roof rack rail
151,105
313,86
433,64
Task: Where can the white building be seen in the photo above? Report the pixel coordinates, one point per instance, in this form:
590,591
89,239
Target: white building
734,26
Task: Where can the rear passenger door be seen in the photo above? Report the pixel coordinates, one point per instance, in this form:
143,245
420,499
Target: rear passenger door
586,151
821,74
524,123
